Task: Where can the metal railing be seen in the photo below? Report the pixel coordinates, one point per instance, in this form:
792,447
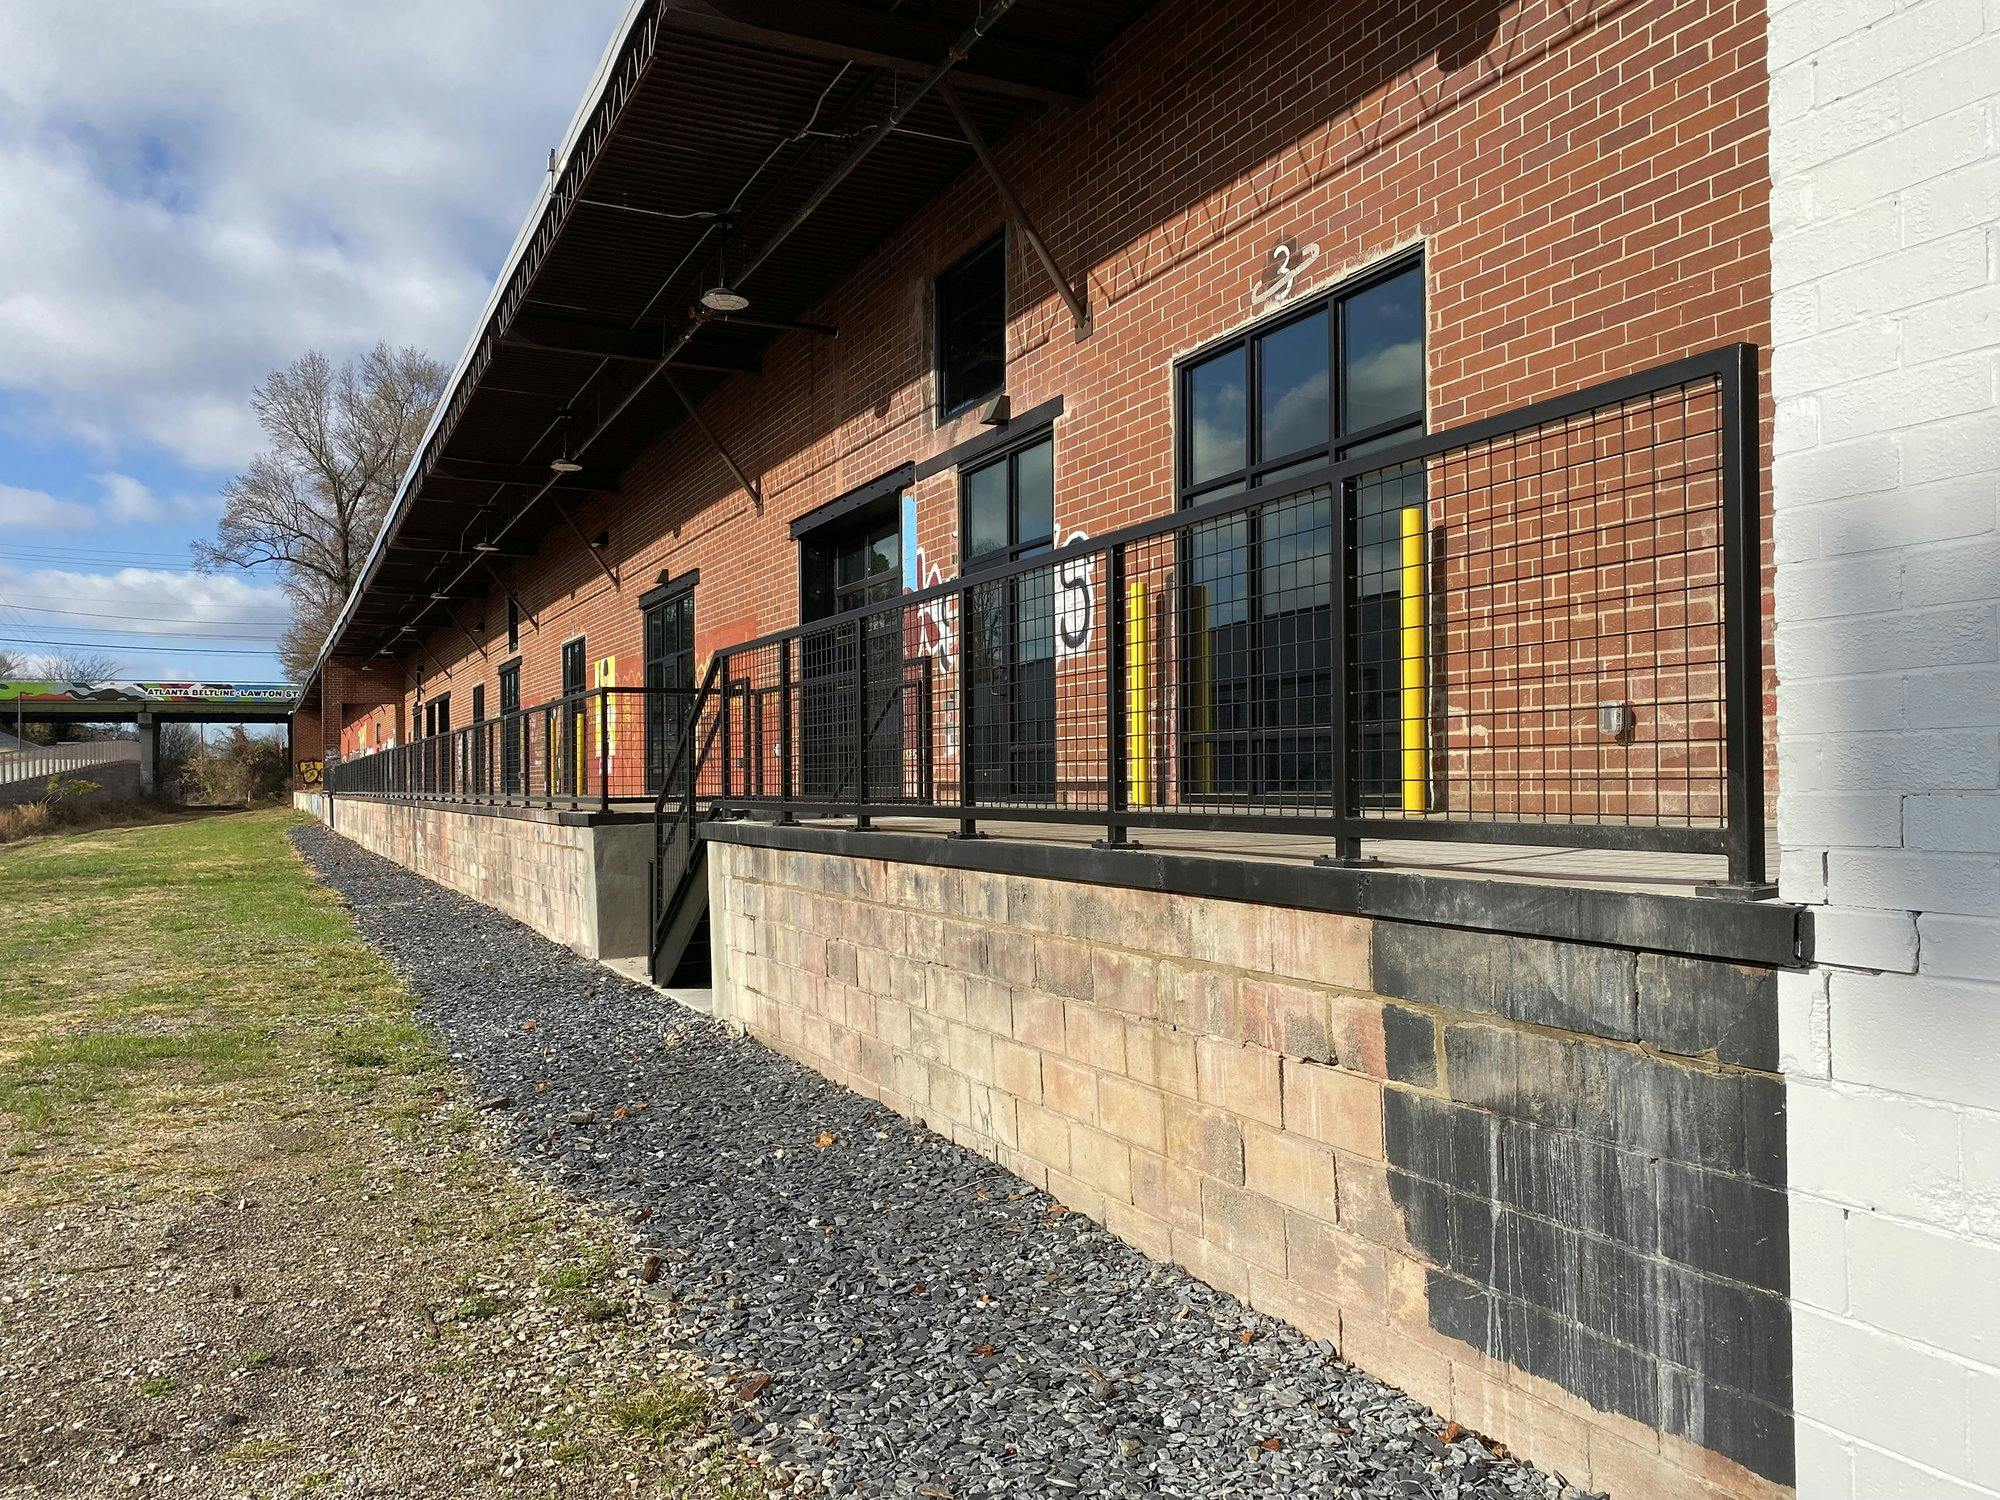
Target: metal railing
596,748
39,762
1544,627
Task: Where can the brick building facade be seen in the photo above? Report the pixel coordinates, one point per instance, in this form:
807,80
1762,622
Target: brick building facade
1515,1134
1594,205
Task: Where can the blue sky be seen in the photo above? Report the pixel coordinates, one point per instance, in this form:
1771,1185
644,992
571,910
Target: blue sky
193,193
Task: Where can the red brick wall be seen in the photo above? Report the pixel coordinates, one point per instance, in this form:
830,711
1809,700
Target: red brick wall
1589,183
361,707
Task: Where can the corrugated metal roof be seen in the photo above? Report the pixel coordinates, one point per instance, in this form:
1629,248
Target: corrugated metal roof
701,108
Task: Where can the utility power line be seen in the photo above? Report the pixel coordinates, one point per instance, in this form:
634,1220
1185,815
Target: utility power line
90,614
70,561
119,647
179,635
48,604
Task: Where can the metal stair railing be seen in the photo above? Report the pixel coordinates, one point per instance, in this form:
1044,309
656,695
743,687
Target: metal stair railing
675,836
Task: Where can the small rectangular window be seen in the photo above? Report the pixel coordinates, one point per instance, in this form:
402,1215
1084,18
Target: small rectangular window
513,623
972,327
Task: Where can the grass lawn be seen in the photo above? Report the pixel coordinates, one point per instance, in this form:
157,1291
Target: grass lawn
253,1237
184,973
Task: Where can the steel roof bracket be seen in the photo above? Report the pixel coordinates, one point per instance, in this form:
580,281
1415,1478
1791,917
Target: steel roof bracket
596,553
512,597
756,490
1078,308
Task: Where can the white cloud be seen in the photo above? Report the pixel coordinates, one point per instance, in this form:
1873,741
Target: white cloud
32,510
131,501
196,191
163,605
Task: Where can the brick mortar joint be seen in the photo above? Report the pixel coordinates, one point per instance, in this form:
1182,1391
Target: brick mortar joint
1443,1015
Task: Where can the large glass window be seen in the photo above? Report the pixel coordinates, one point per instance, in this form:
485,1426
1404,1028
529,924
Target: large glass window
972,327
1315,384
1009,636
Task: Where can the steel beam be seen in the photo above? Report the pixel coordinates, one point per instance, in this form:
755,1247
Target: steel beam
481,471
596,556
428,542
841,32
634,346
742,478
1078,309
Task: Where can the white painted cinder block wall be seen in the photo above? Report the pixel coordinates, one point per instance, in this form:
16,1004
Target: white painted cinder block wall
1886,369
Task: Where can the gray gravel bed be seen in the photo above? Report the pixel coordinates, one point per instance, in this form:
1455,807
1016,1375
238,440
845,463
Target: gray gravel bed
929,1326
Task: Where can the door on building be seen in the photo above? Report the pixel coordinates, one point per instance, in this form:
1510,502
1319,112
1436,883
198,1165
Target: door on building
476,747
437,743
1009,636
668,616
512,729
853,688
570,778
1325,381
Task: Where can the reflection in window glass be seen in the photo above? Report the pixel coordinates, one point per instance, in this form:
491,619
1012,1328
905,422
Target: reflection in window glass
972,326
1035,493
1383,351
1258,688
1215,434
1292,394
985,510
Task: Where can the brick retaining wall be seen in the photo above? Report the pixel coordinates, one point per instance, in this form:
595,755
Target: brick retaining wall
1536,1184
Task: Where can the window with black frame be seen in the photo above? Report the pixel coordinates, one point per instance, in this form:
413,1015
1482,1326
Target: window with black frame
513,730
667,632
1317,383
972,327
568,751
1009,637
476,750
852,677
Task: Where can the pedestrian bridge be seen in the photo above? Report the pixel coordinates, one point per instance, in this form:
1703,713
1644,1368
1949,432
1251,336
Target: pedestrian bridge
146,704
44,702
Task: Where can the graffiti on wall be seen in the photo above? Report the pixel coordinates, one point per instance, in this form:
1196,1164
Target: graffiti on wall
32,692
1076,599
312,773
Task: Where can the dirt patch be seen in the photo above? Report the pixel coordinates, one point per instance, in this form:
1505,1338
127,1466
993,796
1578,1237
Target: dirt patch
253,1237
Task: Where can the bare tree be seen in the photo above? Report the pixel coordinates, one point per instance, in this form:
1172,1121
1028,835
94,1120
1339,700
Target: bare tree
69,666
341,437
78,666
10,665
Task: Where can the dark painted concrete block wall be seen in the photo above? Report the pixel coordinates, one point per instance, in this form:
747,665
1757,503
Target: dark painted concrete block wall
1601,1188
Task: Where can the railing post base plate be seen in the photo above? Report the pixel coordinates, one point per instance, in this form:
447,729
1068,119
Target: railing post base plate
1342,861
1723,890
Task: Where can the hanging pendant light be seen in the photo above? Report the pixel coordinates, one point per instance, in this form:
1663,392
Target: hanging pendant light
722,297
563,463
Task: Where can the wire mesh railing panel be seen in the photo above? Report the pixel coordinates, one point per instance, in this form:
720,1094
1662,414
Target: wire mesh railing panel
1516,631
1537,623
605,746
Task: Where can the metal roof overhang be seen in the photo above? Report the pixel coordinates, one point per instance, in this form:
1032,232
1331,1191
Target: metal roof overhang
781,139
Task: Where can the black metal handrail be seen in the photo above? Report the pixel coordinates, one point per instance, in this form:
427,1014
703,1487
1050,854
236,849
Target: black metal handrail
1544,626
673,837
595,748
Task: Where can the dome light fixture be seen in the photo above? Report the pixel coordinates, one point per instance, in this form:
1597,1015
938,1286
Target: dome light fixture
722,297
565,461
